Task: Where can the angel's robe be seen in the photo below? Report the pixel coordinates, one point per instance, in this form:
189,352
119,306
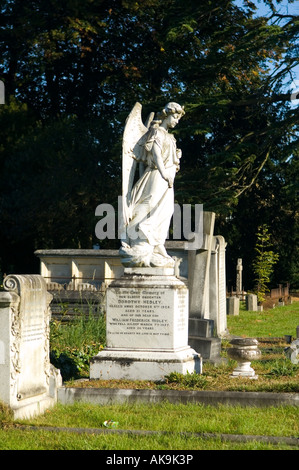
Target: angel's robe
152,200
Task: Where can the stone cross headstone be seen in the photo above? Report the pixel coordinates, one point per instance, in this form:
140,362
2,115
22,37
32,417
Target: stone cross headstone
199,270
28,382
207,286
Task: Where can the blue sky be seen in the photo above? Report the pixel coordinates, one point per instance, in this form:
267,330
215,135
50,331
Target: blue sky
284,7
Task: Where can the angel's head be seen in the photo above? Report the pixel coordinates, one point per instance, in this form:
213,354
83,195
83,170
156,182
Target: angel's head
171,114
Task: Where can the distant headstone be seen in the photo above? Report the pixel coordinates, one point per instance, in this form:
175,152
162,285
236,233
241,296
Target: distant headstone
251,302
239,287
233,305
28,382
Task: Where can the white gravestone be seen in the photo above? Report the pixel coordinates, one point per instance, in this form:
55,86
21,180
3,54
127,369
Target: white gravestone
217,286
28,381
147,328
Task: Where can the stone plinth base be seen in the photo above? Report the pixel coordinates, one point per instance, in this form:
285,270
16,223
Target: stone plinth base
244,370
147,328
33,406
202,340
143,365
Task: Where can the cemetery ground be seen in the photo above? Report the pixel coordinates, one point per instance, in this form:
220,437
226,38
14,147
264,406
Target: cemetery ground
169,426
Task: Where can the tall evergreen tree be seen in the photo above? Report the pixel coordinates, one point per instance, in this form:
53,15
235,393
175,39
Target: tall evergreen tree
73,71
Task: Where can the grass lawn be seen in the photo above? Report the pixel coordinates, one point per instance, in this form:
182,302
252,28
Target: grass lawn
173,424
272,323
177,427
275,372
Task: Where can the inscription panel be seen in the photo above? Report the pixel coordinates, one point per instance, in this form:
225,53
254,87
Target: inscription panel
32,343
147,318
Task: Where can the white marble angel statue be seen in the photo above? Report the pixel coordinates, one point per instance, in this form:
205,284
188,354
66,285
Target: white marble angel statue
148,204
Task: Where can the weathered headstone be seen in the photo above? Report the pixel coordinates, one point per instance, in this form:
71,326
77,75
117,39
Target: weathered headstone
233,305
206,282
217,286
199,271
251,302
28,382
239,286
147,328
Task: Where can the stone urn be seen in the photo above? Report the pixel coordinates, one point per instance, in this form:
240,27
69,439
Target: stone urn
244,350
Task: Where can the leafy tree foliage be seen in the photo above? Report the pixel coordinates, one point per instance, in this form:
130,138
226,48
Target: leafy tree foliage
263,262
74,69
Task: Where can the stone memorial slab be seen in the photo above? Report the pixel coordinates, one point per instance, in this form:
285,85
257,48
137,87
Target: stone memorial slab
217,286
233,305
147,328
149,315
27,379
251,302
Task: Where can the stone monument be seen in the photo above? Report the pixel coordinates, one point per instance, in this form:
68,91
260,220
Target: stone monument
207,285
239,286
28,382
251,302
233,305
147,308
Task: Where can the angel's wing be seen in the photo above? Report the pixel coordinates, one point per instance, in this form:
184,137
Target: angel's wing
134,130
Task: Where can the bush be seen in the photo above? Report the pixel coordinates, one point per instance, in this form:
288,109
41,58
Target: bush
74,343
189,380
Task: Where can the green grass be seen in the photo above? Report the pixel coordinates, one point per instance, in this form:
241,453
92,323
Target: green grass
276,373
275,322
73,344
43,440
164,417
283,421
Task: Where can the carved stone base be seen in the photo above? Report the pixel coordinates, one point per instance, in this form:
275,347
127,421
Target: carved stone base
147,328
142,364
244,350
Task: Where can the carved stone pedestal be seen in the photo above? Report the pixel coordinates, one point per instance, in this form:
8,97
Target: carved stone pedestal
147,328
